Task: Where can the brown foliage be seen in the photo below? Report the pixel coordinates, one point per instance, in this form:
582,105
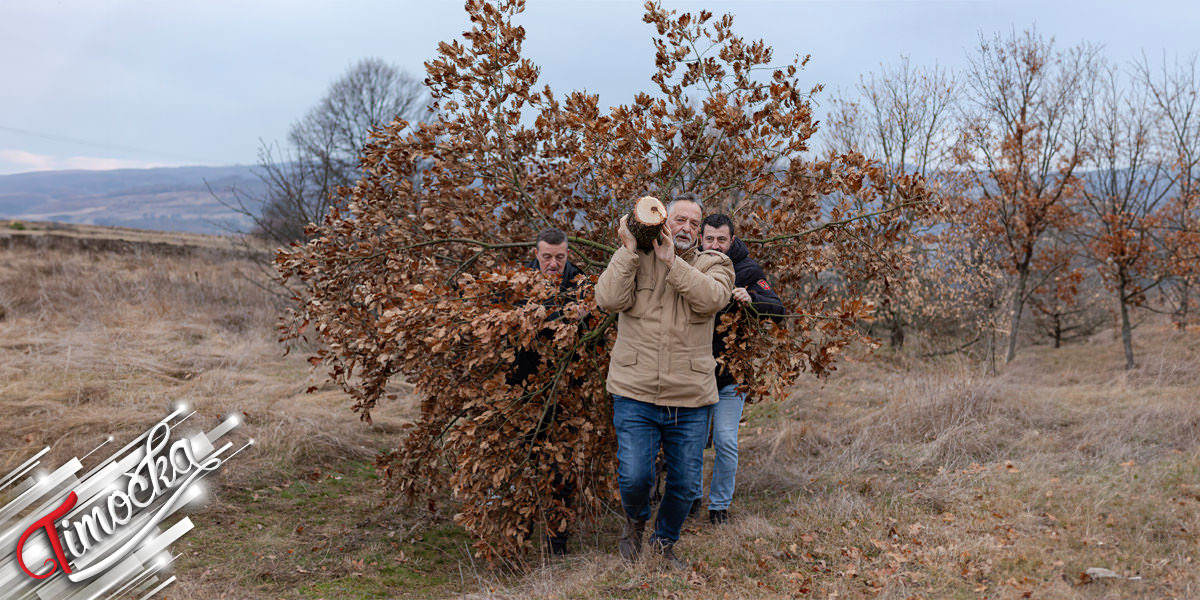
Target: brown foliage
415,276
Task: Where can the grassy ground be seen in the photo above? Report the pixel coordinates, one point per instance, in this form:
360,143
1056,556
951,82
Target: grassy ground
894,479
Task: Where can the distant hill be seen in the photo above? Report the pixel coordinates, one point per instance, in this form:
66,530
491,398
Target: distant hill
163,199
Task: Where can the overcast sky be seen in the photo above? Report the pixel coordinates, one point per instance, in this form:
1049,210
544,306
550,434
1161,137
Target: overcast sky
100,84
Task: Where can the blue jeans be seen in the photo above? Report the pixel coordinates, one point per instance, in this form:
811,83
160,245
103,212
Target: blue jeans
726,415
681,432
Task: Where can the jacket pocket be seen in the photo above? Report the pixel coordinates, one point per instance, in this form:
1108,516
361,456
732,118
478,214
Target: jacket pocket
707,365
642,299
626,359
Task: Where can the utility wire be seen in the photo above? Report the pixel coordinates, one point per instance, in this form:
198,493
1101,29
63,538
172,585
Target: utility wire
70,140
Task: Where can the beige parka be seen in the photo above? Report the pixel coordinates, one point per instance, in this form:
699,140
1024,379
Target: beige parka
663,354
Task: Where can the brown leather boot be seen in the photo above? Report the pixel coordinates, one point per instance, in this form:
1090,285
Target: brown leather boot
668,553
630,544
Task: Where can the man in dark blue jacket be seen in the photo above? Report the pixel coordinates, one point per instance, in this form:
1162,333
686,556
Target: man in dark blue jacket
750,285
549,257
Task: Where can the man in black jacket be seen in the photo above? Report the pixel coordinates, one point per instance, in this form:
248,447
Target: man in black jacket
750,285
549,257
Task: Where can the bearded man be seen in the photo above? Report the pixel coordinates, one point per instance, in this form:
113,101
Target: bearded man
661,371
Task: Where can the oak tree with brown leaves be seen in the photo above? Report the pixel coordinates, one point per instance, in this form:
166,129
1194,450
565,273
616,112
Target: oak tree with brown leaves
1023,143
1063,298
1123,196
417,276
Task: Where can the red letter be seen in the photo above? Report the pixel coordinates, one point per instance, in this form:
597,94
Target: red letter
47,522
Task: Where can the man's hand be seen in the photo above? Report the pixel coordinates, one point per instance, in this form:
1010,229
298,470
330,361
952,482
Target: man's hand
664,248
741,295
625,236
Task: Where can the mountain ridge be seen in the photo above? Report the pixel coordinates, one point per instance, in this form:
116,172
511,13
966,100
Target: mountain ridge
180,199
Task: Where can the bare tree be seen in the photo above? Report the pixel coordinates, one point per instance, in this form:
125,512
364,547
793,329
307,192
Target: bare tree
901,119
371,94
324,148
1175,94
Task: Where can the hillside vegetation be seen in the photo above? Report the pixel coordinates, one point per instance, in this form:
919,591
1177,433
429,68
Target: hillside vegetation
896,478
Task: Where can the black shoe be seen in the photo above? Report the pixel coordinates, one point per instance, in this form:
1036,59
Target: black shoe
557,545
695,509
718,517
630,544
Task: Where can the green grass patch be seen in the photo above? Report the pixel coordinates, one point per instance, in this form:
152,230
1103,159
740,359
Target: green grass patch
329,533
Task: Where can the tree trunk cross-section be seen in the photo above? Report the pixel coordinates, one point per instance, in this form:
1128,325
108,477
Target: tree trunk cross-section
646,221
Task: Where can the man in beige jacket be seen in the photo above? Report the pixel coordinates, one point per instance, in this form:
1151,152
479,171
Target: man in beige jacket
661,372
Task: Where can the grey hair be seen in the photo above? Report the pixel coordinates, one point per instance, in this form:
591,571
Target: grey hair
552,236
686,197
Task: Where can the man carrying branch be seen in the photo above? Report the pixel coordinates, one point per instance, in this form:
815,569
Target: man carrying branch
550,257
661,371
753,290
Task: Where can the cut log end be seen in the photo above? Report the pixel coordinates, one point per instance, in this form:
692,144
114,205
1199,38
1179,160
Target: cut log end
646,221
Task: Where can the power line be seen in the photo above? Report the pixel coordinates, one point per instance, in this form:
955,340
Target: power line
94,144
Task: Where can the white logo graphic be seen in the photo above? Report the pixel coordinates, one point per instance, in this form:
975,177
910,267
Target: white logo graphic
97,535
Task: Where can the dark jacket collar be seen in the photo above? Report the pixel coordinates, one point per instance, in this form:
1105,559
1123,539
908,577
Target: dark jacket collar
738,251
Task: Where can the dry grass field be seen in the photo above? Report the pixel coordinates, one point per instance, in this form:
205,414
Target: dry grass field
896,478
